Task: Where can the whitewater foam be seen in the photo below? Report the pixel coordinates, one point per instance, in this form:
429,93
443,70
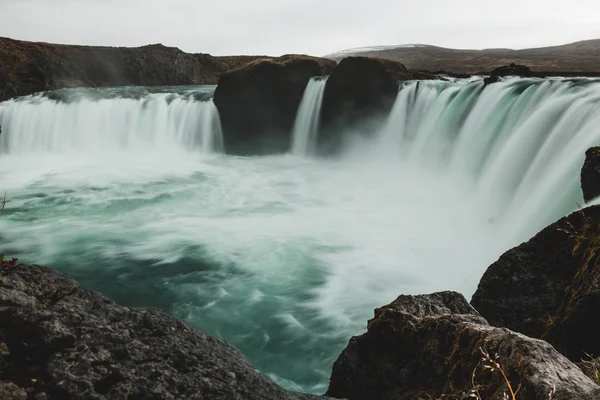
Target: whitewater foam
51,124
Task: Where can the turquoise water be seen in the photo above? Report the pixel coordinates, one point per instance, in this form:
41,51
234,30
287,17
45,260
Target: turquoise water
286,257
283,257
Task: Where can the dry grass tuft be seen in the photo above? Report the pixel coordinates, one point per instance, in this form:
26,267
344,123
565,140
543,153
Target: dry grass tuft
591,367
491,364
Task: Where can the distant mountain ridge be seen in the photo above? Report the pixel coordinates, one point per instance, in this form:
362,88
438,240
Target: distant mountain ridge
29,67
582,56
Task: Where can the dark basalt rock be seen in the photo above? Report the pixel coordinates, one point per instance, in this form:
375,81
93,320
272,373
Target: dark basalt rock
422,347
590,174
549,287
509,70
10,391
258,102
358,95
60,342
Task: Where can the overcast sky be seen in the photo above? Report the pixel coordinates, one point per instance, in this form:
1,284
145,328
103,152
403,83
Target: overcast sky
315,27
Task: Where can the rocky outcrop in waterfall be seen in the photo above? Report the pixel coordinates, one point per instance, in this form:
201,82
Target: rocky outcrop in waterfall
590,174
359,94
58,341
549,287
258,102
28,67
421,347
509,70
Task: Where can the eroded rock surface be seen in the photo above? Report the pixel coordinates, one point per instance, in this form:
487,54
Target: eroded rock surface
549,287
62,342
428,346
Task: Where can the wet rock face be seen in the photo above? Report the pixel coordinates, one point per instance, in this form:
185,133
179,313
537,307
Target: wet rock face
590,174
62,342
359,96
259,101
359,93
549,287
420,346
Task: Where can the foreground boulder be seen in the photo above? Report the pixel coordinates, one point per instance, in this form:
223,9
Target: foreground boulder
421,347
60,342
359,94
590,174
549,287
258,102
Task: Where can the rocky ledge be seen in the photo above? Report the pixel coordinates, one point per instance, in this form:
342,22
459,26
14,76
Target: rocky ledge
437,346
549,287
58,341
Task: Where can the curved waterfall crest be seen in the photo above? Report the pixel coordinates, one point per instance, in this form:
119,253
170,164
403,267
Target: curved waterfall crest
520,141
99,120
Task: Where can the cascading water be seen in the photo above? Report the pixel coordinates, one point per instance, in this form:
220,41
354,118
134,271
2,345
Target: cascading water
521,141
306,126
102,120
286,256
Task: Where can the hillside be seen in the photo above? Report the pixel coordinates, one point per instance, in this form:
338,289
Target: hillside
29,67
571,58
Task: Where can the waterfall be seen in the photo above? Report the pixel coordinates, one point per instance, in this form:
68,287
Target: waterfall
102,120
520,141
286,257
306,125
